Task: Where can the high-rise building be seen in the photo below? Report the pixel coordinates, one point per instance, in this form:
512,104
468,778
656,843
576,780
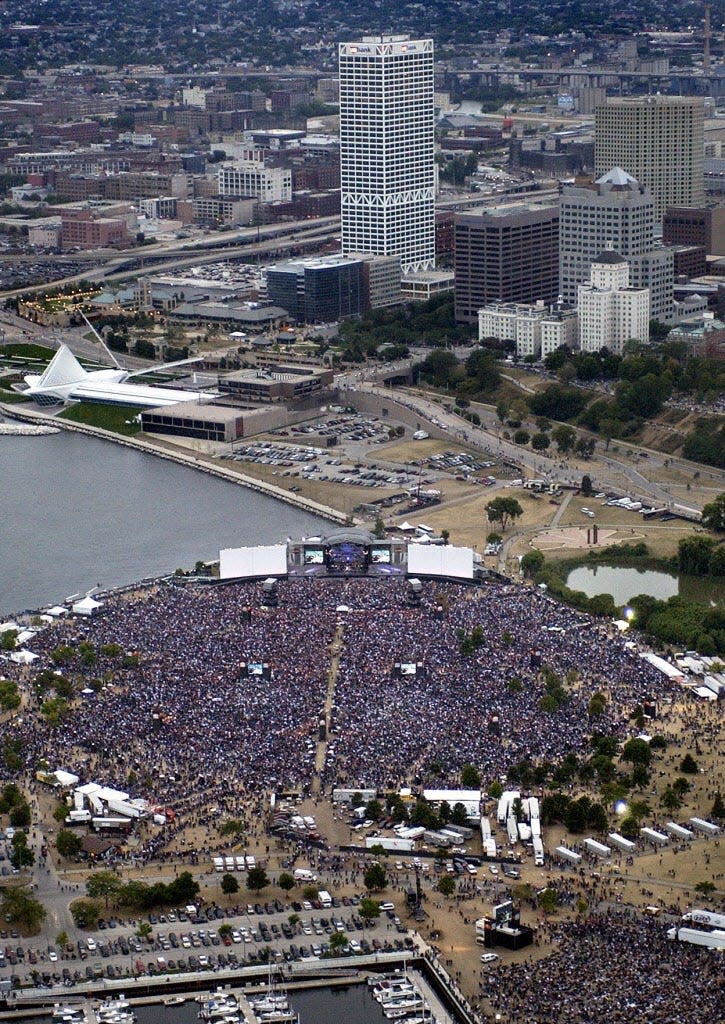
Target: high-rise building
618,212
505,254
610,311
702,227
387,166
658,140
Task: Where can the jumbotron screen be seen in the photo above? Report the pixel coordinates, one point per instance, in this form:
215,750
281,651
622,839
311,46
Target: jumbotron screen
314,556
380,555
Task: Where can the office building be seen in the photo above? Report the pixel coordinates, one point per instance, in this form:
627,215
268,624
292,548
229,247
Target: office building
536,330
319,290
252,178
657,139
387,167
610,311
692,226
618,212
506,254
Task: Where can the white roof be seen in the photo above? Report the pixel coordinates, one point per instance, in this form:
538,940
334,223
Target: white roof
702,691
106,793
66,778
663,666
22,638
617,177
406,526
88,788
86,605
23,657
56,611
5,627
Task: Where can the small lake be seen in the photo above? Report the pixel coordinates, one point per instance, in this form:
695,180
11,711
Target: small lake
623,582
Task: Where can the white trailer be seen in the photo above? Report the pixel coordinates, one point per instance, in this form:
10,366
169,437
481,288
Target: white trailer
463,831
651,835
706,917
229,864
490,847
713,940
324,898
597,849
567,854
512,829
251,862
679,831
392,843
706,827
416,832
218,864
535,827
485,829
533,808
239,863
621,843
122,807
524,831
538,851
77,817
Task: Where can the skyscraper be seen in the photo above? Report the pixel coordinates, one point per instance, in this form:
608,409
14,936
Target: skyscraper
387,167
616,212
658,140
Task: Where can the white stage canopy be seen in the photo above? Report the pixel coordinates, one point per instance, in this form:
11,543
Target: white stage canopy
245,563
443,560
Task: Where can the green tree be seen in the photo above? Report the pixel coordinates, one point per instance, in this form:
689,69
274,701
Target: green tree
20,908
20,815
447,885
597,705
54,711
495,790
144,930
9,693
522,437
373,810
67,843
707,888
540,442
61,939
85,913
257,879
103,885
532,563
637,751
229,885
338,941
670,799
22,856
564,437
586,485
501,510
379,528
375,878
718,807
470,777
713,514
286,881
368,910
60,813
548,901
689,765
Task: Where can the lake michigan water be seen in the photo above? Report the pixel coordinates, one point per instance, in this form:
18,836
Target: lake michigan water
76,512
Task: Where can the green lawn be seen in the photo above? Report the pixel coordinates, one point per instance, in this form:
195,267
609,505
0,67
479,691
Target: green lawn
26,350
109,417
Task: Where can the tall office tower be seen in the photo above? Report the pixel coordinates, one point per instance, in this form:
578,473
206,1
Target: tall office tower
658,140
505,254
611,311
618,212
387,167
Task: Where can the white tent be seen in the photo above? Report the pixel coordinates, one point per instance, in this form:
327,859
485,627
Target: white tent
56,611
86,607
406,526
66,778
5,627
342,608
22,638
705,693
23,657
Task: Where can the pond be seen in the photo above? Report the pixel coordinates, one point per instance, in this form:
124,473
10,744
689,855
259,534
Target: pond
623,582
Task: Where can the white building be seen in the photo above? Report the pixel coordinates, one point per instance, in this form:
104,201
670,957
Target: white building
251,178
387,167
537,330
610,311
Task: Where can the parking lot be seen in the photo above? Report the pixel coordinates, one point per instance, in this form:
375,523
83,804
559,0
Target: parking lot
210,939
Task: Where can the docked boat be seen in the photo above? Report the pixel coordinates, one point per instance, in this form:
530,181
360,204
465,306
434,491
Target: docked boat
403,1007
397,991
174,1000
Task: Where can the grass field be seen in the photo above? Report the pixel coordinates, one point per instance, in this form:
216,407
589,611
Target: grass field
117,418
25,350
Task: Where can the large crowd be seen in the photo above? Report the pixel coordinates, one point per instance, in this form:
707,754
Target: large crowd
178,716
613,968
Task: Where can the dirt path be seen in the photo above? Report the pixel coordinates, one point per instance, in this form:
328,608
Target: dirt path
321,755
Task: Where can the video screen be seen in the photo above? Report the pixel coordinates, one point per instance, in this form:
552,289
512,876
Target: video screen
380,555
314,556
407,668
347,556
255,668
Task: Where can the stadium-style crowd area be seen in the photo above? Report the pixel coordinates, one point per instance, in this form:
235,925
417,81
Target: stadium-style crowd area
177,710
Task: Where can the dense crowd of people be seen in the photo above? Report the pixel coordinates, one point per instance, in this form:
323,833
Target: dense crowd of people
615,968
178,714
